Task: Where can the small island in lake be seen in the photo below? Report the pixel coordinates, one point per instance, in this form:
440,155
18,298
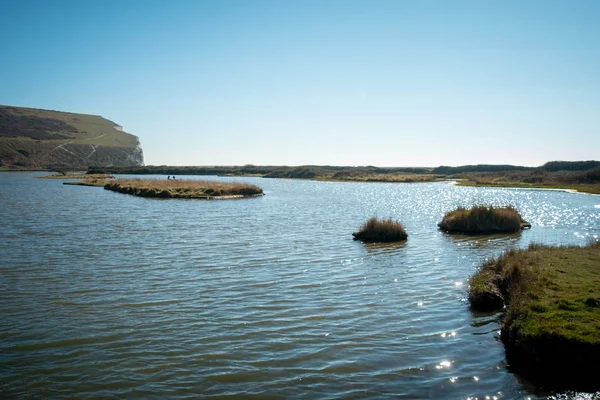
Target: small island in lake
183,189
483,220
385,230
67,176
551,325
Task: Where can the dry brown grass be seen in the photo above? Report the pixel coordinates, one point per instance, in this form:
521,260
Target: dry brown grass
483,220
385,230
182,188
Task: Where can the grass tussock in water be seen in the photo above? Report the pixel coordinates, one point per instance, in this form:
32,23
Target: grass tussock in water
551,326
483,220
384,230
183,188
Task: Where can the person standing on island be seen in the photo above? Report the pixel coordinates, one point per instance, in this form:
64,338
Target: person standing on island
168,177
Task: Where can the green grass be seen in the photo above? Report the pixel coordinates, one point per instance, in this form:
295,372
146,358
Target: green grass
551,325
91,129
190,189
557,292
482,220
384,230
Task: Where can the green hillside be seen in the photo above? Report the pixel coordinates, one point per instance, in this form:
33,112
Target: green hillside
33,138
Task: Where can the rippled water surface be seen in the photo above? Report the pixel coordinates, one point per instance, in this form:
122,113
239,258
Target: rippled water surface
105,295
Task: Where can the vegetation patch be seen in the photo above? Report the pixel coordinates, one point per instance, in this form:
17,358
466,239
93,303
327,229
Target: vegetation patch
551,325
483,220
183,189
385,230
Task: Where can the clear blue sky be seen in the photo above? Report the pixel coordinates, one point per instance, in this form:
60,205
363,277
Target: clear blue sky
388,83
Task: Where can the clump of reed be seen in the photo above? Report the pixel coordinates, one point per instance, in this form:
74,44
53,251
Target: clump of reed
384,230
483,220
182,188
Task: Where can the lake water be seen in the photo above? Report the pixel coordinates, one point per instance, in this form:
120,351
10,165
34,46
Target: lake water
105,295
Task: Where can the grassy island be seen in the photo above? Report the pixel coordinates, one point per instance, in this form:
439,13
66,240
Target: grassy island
551,326
183,189
483,220
385,230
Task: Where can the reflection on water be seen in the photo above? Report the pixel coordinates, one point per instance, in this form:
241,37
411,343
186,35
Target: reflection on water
108,295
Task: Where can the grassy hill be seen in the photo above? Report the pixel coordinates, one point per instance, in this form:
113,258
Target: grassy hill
32,138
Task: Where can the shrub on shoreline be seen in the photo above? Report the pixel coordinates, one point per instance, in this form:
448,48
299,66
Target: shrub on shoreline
385,230
482,220
552,311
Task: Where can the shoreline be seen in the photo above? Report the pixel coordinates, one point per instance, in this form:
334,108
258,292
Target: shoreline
592,189
551,311
457,182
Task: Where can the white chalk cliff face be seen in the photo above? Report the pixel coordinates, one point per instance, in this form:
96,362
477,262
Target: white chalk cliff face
32,138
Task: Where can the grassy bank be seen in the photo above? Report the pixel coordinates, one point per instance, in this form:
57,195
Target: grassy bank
483,220
551,326
385,230
583,188
186,189
586,181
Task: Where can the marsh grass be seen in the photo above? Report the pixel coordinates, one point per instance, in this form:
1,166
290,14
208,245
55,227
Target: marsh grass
384,230
551,325
183,188
483,220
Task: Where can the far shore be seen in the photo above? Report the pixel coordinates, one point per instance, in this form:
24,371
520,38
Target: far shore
579,176
582,176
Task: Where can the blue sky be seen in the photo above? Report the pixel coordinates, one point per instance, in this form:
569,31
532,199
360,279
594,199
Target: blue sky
388,83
